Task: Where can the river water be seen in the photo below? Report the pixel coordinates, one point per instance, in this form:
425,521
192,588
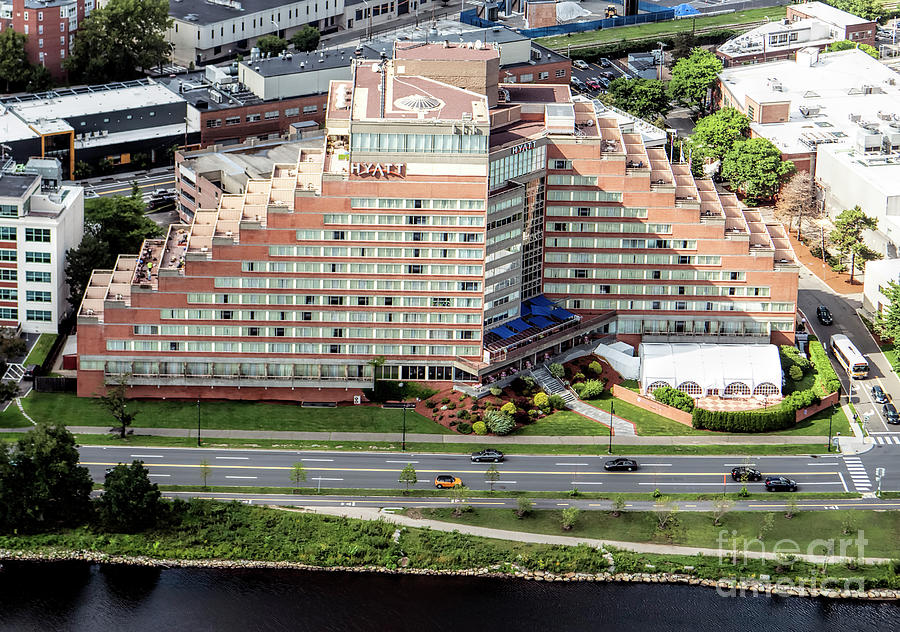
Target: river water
75,596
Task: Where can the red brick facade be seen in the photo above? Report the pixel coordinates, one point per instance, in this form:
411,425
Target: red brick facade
50,29
235,125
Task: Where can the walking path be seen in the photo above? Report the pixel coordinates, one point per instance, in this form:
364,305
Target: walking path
553,386
457,438
371,513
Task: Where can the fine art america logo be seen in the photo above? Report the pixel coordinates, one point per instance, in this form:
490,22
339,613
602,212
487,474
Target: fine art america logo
377,169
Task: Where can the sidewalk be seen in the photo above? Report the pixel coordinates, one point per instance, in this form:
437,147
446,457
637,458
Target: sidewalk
454,438
370,513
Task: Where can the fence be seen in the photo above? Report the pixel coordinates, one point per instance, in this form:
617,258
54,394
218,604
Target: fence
654,14
652,405
55,384
827,401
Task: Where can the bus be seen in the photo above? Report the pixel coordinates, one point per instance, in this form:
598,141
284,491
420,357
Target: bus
848,355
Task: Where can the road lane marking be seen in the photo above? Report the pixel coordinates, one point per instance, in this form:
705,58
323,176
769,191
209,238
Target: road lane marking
322,460
582,464
162,475
253,477
146,456
401,461
739,465
235,458
506,482
587,483
843,482
656,465
322,478
799,483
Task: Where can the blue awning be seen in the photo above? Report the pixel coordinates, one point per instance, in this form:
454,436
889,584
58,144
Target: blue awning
517,325
683,10
562,314
540,300
502,331
540,321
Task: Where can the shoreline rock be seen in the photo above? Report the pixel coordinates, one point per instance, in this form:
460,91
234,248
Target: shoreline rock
508,571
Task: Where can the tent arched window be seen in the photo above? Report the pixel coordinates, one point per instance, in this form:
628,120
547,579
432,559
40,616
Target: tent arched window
657,384
691,388
765,389
737,389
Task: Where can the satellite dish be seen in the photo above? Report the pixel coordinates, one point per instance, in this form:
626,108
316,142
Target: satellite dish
478,44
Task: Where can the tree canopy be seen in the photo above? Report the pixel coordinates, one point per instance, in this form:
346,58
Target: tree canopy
716,134
120,40
868,9
113,225
692,77
271,44
16,72
755,168
848,44
130,502
887,321
645,98
306,39
41,483
797,200
847,236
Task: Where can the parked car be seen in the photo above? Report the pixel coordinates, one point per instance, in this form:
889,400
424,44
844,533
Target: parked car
604,82
580,64
744,473
446,481
824,315
578,83
780,484
878,395
31,371
620,464
489,455
90,193
605,62
593,83
890,413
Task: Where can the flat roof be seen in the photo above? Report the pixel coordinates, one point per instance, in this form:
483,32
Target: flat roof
830,14
206,12
309,62
13,129
194,88
423,51
16,185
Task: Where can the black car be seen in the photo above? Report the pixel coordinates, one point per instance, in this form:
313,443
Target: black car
824,315
878,395
620,464
780,484
489,455
890,414
744,473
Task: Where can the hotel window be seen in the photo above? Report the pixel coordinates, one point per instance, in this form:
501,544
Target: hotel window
37,297
561,72
310,109
273,114
37,235
38,315
544,75
292,112
233,120
252,118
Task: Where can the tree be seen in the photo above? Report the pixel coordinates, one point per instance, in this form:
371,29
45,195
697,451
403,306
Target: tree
682,45
11,345
523,507
716,134
492,476
39,79
618,505
306,39
298,475
568,518
693,76
797,199
848,44
645,98
120,40
116,404
868,9
887,321
721,506
130,502
766,526
41,483
666,511
408,477
847,236
458,496
113,225
271,45
8,390
205,471
14,66
754,167
376,363
790,508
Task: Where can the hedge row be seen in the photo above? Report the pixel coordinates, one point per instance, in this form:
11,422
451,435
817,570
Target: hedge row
624,47
674,398
826,379
769,420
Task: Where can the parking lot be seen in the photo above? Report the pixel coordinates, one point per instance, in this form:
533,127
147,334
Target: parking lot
602,72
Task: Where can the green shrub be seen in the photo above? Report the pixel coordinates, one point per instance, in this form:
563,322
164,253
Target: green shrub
534,412
463,414
590,389
499,422
542,401
509,408
557,402
557,370
578,377
445,400
674,397
826,379
791,356
464,428
451,406
595,367
430,403
768,420
530,382
480,428
496,391
795,373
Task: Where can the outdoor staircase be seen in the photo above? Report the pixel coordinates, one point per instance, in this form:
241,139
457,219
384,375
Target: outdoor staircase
552,386
14,372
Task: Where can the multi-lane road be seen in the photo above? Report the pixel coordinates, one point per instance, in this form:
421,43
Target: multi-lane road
120,184
345,470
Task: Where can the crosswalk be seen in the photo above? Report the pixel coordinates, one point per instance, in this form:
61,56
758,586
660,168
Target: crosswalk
858,473
886,439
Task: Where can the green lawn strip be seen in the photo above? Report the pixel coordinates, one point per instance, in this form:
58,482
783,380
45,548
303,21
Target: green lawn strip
697,528
656,29
483,495
12,417
233,415
40,349
563,423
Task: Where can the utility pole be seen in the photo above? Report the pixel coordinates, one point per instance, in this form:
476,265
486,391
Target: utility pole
824,257
612,430
198,422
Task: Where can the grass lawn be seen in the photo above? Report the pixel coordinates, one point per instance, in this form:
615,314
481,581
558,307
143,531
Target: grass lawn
12,418
234,415
646,422
563,422
656,29
40,349
697,529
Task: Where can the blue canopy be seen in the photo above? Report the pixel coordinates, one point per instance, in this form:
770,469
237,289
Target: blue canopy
502,331
562,314
517,325
540,321
684,10
540,300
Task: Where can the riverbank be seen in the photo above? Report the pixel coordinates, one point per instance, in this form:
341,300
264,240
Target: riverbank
210,534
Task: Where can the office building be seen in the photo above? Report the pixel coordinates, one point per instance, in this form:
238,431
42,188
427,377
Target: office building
457,226
39,220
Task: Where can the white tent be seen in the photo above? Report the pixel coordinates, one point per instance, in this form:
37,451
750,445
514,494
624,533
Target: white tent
711,369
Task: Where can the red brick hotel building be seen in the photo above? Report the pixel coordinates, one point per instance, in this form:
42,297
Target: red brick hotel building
456,227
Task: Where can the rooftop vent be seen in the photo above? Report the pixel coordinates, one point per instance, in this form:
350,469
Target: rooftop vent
418,103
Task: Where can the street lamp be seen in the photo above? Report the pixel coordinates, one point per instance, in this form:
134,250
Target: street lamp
198,422
830,420
611,429
403,436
